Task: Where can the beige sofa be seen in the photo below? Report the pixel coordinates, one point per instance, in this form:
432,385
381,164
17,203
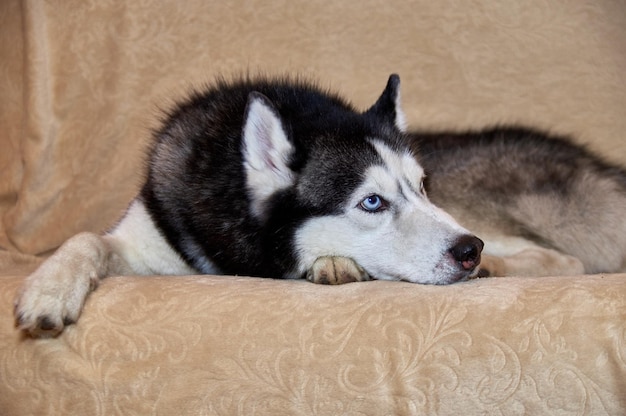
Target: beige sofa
81,85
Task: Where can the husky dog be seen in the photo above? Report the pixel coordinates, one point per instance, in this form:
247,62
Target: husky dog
279,178
272,178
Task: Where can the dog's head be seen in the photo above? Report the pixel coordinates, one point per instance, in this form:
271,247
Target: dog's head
356,190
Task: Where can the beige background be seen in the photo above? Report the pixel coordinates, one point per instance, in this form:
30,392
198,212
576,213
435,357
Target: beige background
81,84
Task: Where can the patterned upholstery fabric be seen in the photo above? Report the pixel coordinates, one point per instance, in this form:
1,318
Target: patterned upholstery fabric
83,82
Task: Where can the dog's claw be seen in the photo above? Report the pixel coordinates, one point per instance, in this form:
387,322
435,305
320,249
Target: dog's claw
45,323
333,270
42,326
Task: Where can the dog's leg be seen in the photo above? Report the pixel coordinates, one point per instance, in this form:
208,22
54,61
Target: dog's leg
332,270
53,296
535,261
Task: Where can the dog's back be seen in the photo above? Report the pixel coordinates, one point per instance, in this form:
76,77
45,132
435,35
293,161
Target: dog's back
522,183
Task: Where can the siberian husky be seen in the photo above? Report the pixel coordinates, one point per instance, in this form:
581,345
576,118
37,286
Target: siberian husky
280,178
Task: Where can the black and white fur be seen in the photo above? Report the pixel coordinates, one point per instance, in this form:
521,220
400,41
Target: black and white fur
278,178
272,178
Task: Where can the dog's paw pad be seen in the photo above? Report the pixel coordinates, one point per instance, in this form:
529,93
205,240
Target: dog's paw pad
332,270
42,315
45,323
42,326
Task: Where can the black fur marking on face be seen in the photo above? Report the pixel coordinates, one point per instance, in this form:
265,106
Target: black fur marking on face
196,189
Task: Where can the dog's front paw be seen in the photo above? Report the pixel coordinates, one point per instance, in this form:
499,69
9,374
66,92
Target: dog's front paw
331,270
50,299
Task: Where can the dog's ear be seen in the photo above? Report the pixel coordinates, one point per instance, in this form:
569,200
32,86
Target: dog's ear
266,152
388,106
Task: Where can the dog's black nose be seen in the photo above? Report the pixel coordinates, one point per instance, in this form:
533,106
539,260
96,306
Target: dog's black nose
467,251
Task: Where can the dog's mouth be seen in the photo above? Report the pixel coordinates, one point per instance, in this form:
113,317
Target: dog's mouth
465,276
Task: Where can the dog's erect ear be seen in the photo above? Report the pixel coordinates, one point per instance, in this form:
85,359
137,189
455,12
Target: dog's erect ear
388,105
266,152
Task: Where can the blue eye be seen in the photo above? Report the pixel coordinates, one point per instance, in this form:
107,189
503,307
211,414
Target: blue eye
373,203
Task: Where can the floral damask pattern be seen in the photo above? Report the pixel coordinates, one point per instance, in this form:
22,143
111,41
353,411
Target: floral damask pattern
227,345
81,83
